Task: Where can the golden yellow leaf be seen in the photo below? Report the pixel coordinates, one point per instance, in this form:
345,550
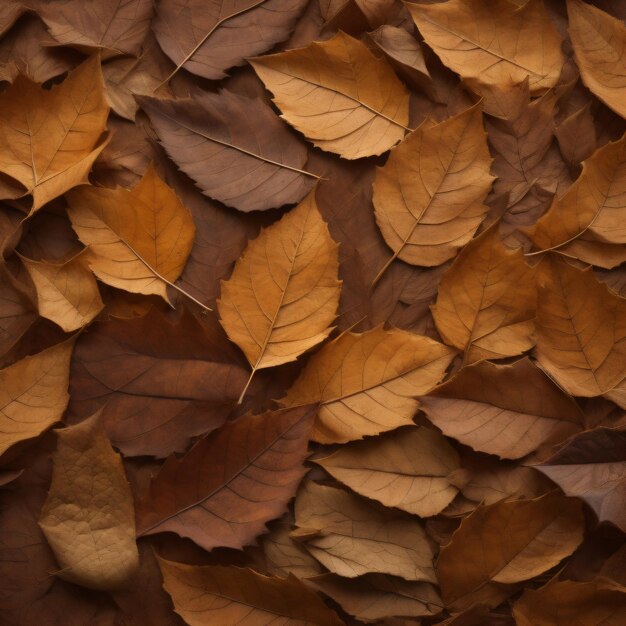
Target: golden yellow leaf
283,293
407,469
599,40
67,293
339,95
594,206
506,543
429,195
368,383
139,240
581,332
49,138
33,394
88,517
486,301
234,596
495,42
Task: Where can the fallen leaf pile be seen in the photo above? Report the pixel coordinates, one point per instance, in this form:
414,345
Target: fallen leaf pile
312,312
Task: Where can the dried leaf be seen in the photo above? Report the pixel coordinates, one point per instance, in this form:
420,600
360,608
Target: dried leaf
17,312
486,301
33,394
67,293
234,148
506,543
222,492
563,603
49,139
139,240
598,40
339,95
495,43
406,469
581,332
592,466
368,383
351,537
283,293
508,410
235,596
429,195
88,517
376,596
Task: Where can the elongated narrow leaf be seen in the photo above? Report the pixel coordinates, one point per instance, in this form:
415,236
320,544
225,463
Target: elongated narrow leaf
506,543
429,194
88,518
208,38
49,138
368,383
234,148
406,469
339,95
139,240
222,493
33,394
486,301
599,39
497,42
283,293
231,596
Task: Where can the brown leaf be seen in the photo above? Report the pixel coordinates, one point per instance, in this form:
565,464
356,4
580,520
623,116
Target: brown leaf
139,240
494,43
593,206
406,469
351,537
429,195
67,293
234,596
209,39
17,311
33,394
376,596
88,517
283,293
368,383
234,148
113,27
486,301
592,466
508,410
222,493
506,543
49,139
563,603
598,40
576,135
339,95
581,332
151,375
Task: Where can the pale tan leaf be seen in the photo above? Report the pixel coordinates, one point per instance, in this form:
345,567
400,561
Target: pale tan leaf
49,138
339,95
486,301
233,596
599,41
139,240
352,537
406,469
367,383
429,196
33,394
495,42
67,293
88,517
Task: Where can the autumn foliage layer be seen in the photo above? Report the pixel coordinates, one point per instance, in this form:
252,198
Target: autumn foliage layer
312,312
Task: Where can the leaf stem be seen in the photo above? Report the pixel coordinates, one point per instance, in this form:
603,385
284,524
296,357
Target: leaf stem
243,393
